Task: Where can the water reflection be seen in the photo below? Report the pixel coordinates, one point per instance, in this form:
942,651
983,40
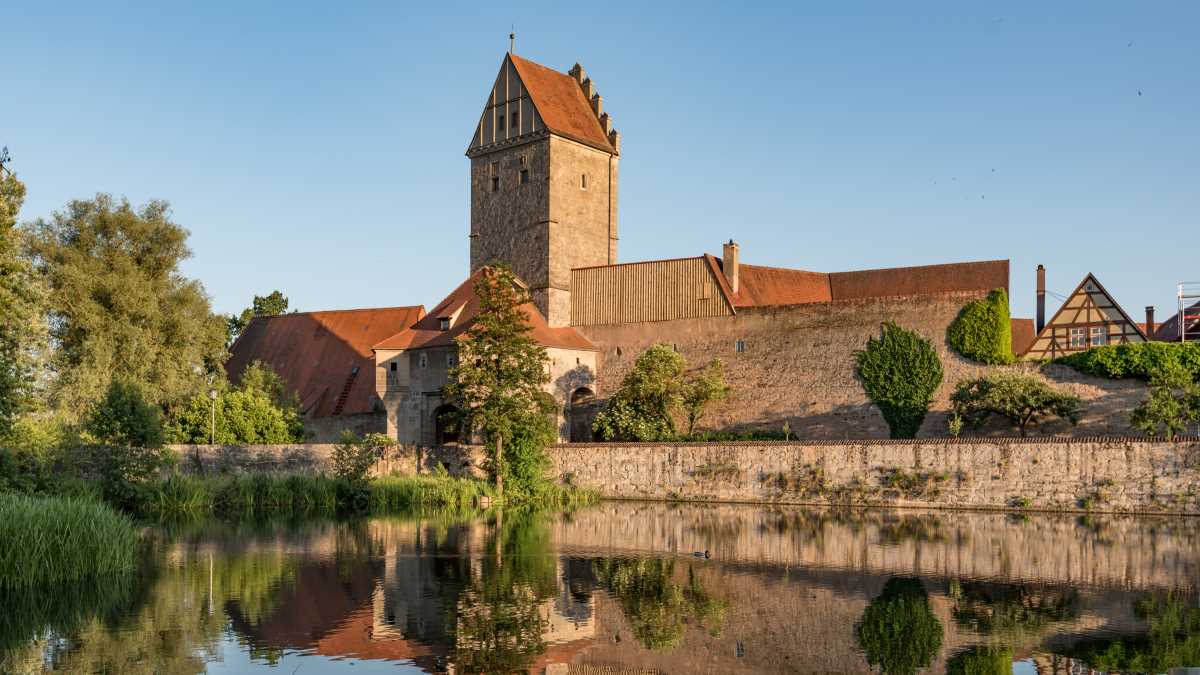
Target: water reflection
617,587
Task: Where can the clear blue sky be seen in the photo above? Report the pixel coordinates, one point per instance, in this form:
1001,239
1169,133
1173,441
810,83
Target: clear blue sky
318,149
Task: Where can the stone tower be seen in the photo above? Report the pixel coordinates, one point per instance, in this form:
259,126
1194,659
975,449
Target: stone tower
544,181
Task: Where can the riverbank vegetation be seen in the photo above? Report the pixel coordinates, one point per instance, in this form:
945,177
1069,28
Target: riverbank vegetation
49,540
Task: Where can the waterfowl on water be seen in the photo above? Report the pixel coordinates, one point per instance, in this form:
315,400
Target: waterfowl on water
701,554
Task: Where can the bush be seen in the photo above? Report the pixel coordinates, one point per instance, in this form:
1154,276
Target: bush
49,540
1137,360
1173,403
124,417
982,331
1021,399
641,410
900,372
981,661
241,418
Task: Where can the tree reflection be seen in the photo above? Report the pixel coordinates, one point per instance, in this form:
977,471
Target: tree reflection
501,618
981,661
1172,639
899,632
1016,611
657,608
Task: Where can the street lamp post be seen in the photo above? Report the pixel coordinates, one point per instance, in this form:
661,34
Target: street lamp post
212,429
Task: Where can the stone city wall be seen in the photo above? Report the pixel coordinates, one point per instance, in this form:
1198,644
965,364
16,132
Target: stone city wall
1099,474
1104,474
798,367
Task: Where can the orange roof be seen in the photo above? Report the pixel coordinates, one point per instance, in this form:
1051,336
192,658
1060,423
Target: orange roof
462,306
316,353
773,286
923,280
561,103
778,286
1023,335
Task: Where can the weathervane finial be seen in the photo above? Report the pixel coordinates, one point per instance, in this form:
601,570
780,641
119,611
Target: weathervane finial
512,40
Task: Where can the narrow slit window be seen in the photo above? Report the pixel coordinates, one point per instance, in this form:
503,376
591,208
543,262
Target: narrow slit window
524,176
495,183
583,181
424,360
515,121
499,121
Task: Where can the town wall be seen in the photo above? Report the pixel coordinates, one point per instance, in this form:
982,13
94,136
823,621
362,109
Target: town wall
1107,474
1100,474
798,367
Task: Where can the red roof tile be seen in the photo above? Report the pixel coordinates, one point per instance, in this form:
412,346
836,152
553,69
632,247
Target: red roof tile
463,305
1023,335
923,280
561,104
759,286
1168,331
316,353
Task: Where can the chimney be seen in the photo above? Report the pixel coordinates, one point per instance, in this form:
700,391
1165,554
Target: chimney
729,263
597,105
1149,320
1041,299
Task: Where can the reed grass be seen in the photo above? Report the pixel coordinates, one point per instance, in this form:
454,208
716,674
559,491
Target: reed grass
57,540
269,495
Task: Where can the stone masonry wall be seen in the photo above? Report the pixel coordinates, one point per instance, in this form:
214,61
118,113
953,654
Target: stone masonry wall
798,367
1107,474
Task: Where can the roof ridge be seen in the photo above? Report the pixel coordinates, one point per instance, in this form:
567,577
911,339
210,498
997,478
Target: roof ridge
337,311
909,267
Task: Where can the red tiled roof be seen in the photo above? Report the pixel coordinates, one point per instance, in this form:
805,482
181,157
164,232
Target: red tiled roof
773,286
463,304
778,286
1168,331
1023,335
316,352
922,280
561,104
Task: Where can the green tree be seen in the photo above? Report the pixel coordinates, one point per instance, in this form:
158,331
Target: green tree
124,417
707,387
1173,403
119,307
261,409
981,661
1021,399
261,378
983,331
263,305
501,376
900,372
642,409
899,631
21,326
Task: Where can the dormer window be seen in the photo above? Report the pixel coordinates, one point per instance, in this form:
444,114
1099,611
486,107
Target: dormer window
444,323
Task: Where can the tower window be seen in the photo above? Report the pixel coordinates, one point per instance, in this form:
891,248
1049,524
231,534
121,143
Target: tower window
583,181
524,160
424,360
515,121
495,183
524,176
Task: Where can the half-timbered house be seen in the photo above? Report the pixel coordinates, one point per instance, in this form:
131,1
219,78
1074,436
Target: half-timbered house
1090,317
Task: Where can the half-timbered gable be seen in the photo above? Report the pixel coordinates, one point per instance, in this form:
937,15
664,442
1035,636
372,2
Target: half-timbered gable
1089,317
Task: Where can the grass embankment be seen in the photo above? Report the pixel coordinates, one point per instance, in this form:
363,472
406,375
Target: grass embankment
266,495
57,540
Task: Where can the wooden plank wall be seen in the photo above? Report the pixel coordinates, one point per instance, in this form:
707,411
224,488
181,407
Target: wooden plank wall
659,290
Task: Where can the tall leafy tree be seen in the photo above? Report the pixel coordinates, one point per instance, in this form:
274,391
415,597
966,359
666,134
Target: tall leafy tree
263,305
643,408
900,372
21,325
500,380
119,307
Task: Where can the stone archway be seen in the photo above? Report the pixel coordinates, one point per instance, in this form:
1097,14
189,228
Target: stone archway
445,425
580,415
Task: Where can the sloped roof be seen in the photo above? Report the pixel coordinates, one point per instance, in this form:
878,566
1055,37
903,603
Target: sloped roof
1023,334
463,305
316,353
921,280
561,103
1049,344
1168,331
760,286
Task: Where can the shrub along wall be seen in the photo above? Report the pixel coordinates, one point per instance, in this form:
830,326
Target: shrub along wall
1108,474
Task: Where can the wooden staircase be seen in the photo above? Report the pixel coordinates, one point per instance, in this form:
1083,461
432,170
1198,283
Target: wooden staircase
345,395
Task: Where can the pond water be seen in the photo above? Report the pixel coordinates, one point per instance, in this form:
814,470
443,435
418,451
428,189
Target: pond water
626,588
